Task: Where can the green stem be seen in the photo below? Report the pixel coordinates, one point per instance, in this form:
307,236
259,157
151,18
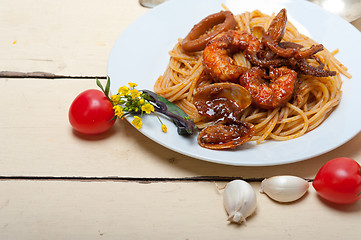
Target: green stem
106,90
158,117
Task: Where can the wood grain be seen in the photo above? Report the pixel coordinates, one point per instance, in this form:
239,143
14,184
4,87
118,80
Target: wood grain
131,210
57,184
40,128
65,38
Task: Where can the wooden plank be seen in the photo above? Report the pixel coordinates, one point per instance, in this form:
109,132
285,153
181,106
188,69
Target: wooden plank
357,23
37,140
132,210
66,38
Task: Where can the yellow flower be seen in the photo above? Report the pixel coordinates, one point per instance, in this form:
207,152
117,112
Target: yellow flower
134,93
164,128
132,85
115,99
123,91
141,101
148,108
118,111
137,122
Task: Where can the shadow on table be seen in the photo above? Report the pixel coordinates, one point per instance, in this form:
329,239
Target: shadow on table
97,137
354,207
195,167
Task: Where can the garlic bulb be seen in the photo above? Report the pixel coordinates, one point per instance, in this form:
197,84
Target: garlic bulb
284,188
239,200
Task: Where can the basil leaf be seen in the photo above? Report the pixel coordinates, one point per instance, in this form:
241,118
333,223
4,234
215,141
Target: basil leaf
185,126
173,108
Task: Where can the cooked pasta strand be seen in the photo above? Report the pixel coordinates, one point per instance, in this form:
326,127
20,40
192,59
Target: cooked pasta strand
314,100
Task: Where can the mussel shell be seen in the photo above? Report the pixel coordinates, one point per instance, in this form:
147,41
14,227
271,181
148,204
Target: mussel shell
219,99
225,136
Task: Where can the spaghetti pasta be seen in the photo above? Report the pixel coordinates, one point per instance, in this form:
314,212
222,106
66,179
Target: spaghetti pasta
314,100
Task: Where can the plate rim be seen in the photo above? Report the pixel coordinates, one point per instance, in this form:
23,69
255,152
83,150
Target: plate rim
150,135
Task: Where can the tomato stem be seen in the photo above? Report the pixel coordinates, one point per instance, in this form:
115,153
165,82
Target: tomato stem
106,90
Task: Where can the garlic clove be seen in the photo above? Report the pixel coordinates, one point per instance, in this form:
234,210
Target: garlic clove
239,200
284,188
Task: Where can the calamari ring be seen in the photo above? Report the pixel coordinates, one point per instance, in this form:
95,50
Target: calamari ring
202,32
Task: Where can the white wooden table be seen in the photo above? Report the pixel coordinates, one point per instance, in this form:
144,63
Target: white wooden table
55,184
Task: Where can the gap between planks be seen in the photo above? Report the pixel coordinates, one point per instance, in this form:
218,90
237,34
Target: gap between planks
146,180
44,75
133,179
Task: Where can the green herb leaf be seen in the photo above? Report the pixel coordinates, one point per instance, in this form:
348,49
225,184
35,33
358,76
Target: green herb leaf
173,108
185,126
107,87
106,90
100,85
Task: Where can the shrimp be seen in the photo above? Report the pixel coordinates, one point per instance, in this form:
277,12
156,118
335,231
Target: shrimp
217,55
275,94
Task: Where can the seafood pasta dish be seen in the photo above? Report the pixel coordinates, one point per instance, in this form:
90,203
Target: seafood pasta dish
251,77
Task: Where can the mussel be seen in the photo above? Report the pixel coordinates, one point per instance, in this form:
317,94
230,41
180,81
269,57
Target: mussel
226,135
223,103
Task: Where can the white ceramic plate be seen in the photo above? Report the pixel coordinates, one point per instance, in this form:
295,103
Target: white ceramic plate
140,55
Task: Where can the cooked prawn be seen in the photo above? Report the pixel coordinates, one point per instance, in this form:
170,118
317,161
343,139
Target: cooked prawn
217,58
269,95
217,55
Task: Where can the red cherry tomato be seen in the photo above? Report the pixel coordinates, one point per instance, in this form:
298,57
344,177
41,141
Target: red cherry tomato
91,112
339,181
